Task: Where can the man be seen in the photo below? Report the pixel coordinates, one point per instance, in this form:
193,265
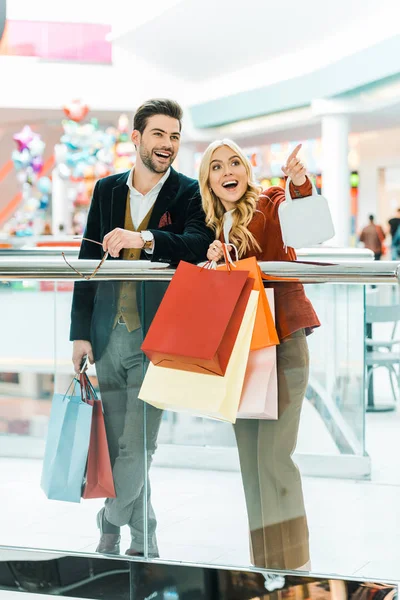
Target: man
150,212
373,236
394,225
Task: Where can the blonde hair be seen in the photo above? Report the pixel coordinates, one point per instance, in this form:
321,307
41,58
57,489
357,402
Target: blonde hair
245,208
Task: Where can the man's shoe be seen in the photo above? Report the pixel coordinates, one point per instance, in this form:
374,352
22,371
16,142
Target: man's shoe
110,535
138,553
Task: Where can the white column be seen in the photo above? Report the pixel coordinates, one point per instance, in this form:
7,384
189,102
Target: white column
185,160
336,174
60,211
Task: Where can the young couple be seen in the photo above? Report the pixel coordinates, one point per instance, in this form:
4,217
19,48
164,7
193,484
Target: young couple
155,213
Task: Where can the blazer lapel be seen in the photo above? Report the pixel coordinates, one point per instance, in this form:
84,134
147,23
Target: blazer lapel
167,194
118,202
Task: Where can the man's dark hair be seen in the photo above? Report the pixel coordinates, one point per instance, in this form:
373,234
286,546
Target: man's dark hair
157,106
371,217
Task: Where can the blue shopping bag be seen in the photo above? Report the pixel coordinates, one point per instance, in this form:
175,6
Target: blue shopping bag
67,447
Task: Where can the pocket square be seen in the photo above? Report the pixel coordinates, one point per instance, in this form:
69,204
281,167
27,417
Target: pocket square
165,220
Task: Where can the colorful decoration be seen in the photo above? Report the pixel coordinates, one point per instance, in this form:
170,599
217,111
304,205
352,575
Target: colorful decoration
87,152
24,137
76,110
35,190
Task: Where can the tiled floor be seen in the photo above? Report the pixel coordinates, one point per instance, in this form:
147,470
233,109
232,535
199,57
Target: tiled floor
354,526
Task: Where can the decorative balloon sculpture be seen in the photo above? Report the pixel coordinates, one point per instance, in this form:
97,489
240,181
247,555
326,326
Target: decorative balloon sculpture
36,190
86,153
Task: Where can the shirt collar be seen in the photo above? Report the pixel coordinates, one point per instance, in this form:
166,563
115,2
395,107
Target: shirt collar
228,214
157,187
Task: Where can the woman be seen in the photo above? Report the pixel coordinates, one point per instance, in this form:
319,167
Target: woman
242,216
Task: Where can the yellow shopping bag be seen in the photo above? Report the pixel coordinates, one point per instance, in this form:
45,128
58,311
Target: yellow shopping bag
201,394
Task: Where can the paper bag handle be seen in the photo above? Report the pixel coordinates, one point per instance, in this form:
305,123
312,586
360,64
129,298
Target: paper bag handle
211,264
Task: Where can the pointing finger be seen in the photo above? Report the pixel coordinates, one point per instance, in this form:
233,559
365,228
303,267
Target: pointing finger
294,153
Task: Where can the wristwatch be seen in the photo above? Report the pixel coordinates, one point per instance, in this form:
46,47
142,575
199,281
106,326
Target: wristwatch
147,238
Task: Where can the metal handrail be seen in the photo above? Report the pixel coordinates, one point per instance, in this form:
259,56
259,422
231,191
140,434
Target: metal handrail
323,253
304,272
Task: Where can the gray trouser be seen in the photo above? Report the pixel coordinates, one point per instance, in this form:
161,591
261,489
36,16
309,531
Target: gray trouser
120,374
271,480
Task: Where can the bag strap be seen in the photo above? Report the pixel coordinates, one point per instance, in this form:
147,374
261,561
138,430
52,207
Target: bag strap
73,385
87,387
212,264
289,198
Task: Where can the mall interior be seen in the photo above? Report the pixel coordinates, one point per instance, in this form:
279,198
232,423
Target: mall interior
269,76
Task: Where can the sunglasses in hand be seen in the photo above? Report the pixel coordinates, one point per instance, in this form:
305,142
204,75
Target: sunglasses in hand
87,277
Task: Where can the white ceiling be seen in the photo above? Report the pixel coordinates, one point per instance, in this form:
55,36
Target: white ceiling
198,40
300,124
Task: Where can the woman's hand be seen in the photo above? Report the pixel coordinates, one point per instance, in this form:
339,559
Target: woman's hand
295,169
215,251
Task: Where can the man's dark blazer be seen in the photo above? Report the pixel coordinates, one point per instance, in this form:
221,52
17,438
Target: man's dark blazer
180,233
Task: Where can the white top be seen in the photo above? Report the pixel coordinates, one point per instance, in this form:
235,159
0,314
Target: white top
141,204
228,222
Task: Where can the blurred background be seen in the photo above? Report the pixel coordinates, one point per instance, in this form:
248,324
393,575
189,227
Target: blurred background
73,74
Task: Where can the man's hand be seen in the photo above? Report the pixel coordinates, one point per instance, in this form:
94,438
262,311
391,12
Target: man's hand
81,348
118,239
294,168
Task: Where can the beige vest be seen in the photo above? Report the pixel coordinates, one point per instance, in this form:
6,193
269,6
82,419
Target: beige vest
127,303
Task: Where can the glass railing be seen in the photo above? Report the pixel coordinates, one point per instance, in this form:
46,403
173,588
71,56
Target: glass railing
193,489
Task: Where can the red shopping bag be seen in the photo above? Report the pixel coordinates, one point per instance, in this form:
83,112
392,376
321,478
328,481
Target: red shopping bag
99,482
198,320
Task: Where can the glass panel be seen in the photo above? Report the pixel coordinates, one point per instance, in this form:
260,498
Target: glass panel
233,495
212,488
27,352
335,407
116,337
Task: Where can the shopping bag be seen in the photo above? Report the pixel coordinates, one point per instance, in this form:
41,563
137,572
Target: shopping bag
197,393
305,221
198,320
67,447
264,333
260,388
99,482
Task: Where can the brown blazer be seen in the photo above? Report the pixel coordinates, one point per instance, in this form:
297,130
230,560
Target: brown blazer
293,310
